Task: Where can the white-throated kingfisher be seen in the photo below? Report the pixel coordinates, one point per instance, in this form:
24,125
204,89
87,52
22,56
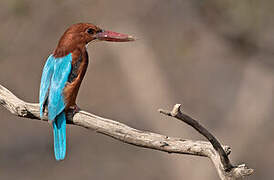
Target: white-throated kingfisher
63,73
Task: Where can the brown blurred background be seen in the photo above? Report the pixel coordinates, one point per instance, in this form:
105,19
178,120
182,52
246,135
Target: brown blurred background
214,57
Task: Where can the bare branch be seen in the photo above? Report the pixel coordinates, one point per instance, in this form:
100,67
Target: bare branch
128,135
220,159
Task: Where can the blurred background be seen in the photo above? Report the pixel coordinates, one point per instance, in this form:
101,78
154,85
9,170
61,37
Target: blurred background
214,57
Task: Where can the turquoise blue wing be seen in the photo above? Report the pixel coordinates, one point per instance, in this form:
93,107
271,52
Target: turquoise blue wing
45,83
54,78
56,102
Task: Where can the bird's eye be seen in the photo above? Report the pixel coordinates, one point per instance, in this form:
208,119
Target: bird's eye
91,31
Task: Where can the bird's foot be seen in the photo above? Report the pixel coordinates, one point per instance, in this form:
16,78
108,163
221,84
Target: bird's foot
74,109
71,111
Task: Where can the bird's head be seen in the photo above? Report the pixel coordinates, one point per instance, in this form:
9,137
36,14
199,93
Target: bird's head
79,35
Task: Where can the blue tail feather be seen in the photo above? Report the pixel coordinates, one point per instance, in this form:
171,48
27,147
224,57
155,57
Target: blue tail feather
59,132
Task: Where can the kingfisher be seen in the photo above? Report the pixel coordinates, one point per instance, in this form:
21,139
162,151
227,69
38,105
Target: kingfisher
62,76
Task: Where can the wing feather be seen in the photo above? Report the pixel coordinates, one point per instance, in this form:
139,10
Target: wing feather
45,83
54,78
56,102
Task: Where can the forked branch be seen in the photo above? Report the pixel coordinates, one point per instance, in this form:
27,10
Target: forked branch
139,138
220,159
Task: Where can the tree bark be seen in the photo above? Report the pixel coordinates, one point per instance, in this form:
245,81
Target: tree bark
214,150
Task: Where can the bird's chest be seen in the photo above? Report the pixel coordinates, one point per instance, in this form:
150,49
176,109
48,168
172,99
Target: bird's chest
75,69
79,66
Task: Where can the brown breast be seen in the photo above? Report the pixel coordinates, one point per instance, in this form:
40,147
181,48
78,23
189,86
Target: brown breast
79,67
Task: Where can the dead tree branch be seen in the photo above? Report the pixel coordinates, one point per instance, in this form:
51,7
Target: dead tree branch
139,138
220,159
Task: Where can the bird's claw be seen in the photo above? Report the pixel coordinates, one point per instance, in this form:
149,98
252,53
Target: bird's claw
74,109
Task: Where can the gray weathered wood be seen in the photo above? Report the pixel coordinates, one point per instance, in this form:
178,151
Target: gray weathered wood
129,135
219,158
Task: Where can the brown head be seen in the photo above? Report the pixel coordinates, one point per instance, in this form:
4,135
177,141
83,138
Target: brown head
79,35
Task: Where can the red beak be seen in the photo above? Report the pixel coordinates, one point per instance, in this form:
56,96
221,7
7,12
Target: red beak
113,36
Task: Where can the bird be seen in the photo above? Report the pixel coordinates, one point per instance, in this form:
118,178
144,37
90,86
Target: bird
62,76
